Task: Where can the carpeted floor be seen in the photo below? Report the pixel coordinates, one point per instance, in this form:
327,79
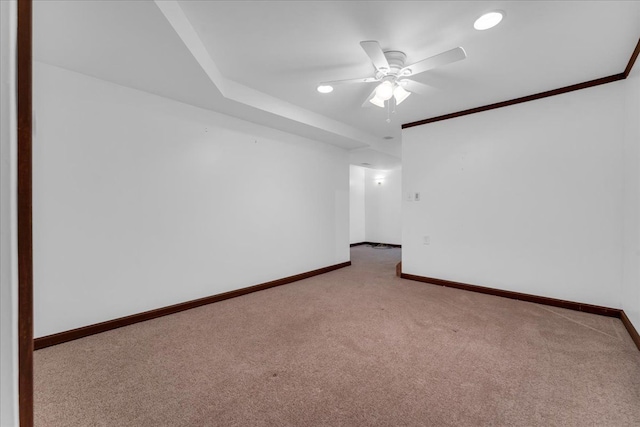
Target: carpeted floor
354,347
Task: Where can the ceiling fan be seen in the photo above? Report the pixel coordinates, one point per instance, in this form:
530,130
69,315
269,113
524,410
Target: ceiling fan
393,76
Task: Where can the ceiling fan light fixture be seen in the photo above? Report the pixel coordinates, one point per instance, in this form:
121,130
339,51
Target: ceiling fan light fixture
488,20
391,75
400,94
377,101
325,89
384,91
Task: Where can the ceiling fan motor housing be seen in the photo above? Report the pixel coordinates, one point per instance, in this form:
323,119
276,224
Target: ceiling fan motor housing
396,60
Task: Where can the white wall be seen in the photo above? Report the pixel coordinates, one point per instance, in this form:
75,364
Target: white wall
526,198
631,221
142,202
8,249
383,205
356,204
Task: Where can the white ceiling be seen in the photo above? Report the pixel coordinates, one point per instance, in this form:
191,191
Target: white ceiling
262,60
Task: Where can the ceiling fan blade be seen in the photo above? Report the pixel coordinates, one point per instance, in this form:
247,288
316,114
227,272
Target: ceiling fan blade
438,60
374,51
416,87
340,82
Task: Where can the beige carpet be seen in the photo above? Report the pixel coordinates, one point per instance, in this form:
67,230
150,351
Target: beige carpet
354,347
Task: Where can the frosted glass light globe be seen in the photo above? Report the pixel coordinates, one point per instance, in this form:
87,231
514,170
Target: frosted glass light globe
384,91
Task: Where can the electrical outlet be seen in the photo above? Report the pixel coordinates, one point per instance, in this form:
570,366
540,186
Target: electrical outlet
426,240
417,197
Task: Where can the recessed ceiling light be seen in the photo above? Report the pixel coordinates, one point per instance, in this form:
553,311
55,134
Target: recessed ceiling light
488,20
325,89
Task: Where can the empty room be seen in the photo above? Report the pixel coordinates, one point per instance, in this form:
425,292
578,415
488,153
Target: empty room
320,213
